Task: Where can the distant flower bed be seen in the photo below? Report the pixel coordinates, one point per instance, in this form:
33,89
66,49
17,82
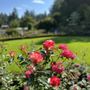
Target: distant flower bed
47,68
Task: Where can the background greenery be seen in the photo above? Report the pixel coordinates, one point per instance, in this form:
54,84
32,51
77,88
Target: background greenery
66,16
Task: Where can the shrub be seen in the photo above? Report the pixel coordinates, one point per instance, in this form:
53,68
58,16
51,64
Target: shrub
48,68
46,24
12,32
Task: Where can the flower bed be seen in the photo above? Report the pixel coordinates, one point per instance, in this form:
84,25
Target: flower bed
47,68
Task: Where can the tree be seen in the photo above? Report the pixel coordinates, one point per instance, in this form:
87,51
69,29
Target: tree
27,20
3,19
1,22
56,19
14,23
72,12
13,15
13,19
56,6
41,16
46,24
66,7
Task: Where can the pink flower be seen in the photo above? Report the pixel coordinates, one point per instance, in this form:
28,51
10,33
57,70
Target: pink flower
49,44
63,46
68,54
57,67
88,77
28,73
36,57
12,53
55,81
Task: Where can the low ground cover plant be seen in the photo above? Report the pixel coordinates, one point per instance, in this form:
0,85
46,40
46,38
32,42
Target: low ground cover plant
46,68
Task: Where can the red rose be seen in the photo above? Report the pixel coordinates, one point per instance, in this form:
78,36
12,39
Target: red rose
12,53
63,46
54,81
36,57
28,73
57,67
68,54
48,44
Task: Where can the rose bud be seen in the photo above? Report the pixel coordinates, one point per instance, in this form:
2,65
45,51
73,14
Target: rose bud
49,44
23,48
54,81
12,53
36,57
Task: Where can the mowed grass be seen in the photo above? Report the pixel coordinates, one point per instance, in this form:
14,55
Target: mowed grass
79,45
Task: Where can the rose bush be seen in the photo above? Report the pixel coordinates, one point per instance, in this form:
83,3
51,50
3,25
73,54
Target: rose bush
49,68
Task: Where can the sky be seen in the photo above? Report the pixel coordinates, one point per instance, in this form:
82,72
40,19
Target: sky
39,6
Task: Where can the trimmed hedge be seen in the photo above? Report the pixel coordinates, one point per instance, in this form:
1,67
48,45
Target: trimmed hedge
39,36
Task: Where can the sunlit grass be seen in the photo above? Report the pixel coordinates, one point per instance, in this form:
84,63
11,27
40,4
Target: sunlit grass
79,45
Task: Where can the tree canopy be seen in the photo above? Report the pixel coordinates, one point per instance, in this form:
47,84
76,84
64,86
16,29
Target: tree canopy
68,16
72,13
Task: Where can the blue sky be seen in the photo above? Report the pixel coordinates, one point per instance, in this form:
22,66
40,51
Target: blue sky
39,6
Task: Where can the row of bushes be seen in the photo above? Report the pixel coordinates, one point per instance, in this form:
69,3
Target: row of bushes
7,38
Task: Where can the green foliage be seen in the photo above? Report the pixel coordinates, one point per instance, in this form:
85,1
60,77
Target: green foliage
27,20
0,22
56,19
46,24
74,16
12,32
40,17
13,15
66,16
3,19
14,23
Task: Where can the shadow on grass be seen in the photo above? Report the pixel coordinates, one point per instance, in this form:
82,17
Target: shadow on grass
66,39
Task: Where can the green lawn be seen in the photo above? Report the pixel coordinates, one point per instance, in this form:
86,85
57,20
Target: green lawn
80,45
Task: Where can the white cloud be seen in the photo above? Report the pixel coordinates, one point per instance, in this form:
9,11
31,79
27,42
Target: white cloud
39,1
